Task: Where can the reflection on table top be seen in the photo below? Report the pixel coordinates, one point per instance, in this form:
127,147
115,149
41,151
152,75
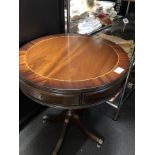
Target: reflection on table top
71,62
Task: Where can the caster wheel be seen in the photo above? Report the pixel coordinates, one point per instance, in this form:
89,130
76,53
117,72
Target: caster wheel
100,142
44,121
98,146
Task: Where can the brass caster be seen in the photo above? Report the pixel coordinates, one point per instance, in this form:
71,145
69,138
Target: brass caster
100,141
45,117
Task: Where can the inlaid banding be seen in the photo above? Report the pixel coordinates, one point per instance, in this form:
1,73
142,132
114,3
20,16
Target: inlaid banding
72,61
59,58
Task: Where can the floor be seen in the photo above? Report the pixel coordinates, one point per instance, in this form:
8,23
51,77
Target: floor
39,139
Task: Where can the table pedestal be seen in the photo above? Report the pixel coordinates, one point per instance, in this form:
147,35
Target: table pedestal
70,116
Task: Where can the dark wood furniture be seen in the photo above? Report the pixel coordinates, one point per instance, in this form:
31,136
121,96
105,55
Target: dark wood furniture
71,72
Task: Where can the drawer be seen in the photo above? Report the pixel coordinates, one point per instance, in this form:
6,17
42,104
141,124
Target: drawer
101,95
50,98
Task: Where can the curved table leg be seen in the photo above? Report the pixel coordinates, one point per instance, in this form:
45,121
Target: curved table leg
61,138
86,131
70,116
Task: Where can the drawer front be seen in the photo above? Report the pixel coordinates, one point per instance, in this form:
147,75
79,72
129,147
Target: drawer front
101,95
50,98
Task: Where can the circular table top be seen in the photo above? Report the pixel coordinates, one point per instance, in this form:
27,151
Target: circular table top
71,62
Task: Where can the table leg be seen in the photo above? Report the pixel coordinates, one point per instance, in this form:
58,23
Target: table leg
86,131
61,138
70,116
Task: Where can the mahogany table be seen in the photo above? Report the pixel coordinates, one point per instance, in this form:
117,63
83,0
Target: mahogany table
71,72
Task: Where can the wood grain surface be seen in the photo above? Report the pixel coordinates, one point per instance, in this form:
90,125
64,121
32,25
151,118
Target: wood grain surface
71,62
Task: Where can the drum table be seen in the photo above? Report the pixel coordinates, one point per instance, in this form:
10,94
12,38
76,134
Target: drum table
71,72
